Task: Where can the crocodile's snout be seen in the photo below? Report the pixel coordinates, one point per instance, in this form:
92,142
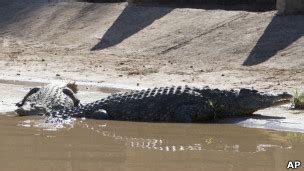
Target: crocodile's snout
251,101
282,98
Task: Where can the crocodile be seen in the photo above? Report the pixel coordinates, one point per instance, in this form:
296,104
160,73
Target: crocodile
52,97
176,104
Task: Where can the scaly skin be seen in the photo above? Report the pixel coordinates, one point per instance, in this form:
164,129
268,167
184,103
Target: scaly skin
55,96
177,104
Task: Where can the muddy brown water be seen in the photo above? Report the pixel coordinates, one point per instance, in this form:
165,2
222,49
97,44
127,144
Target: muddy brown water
28,143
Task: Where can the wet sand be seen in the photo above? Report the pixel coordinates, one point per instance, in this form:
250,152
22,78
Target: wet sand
107,145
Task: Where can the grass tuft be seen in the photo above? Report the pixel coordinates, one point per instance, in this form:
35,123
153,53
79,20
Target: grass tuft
298,100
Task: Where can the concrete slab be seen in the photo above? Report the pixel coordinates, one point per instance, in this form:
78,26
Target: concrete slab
280,118
290,6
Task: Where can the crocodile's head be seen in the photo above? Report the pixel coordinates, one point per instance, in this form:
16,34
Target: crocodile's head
55,96
250,101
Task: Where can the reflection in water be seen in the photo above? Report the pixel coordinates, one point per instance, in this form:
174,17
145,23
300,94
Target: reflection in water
51,124
207,142
106,145
151,144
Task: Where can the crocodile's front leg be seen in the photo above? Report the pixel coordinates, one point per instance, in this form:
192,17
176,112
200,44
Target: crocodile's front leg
72,96
32,91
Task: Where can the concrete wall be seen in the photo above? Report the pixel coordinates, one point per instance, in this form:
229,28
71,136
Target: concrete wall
223,2
290,6
283,6
102,1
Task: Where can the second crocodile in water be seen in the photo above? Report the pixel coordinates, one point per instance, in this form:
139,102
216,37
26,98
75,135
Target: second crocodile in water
177,104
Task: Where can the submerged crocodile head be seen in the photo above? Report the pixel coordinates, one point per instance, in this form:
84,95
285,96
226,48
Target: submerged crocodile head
55,96
250,101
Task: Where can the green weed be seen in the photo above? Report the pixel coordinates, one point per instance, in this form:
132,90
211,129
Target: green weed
298,100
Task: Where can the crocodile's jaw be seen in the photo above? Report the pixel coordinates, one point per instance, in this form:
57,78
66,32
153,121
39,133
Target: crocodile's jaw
280,101
262,100
276,99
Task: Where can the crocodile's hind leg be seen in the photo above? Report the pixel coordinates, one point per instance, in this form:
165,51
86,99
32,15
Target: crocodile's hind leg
100,114
32,91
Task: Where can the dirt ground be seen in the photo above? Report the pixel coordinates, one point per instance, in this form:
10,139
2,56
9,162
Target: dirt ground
116,45
151,46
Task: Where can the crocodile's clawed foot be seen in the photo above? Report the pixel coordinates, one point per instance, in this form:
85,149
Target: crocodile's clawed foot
19,104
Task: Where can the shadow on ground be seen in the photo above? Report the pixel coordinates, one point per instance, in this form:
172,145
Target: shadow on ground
17,10
131,20
279,34
137,17
255,117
